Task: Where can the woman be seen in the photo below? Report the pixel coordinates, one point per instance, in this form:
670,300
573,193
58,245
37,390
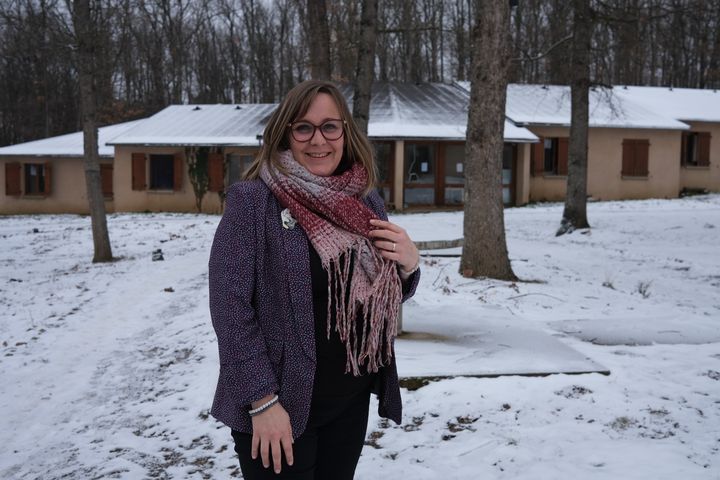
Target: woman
306,278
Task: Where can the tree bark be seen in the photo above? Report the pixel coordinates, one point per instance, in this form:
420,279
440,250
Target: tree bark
86,40
484,250
365,64
318,34
575,212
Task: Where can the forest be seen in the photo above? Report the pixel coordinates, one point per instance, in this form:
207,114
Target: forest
153,53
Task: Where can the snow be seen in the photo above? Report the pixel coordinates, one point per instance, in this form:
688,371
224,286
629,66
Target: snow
108,371
70,145
237,125
690,104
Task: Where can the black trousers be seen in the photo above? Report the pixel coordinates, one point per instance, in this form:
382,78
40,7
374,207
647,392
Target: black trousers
328,449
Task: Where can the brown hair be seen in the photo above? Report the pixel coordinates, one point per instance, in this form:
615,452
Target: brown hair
296,104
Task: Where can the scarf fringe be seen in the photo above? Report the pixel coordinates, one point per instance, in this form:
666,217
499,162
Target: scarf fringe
377,312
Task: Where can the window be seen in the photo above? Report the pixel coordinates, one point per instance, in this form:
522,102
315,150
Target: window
635,157
695,149
239,163
550,156
420,173
37,179
161,172
384,159
454,174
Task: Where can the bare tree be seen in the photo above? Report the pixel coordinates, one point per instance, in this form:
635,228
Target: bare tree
365,64
575,212
85,25
485,250
318,36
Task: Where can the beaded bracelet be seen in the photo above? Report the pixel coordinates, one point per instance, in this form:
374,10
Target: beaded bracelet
263,407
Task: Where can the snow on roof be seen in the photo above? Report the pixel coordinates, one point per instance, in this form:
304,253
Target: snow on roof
550,105
69,145
235,125
424,110
692,104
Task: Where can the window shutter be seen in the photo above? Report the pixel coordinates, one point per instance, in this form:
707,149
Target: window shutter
628,158
683,148
12,179
47,180
216,172
642,148
178,172
537,157
562,166
106,179
138,171
703,149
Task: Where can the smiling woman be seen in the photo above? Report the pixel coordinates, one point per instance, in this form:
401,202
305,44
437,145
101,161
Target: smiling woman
306,279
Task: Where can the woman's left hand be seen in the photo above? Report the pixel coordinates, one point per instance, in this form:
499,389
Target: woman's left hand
394,243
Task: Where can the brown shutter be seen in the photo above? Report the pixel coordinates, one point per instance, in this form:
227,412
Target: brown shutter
216,172
106,179
683,148
537,157
138,171
628,158
703,149
47,174
562,166
642,148
12,179
178,172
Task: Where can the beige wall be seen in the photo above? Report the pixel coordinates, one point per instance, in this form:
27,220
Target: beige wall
67,188
129,200
605,181
522,174
704,177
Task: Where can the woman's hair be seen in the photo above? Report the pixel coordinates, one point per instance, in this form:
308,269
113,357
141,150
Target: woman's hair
296,103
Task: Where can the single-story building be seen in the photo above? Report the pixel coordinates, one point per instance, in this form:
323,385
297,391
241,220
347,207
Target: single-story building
47,176
643,142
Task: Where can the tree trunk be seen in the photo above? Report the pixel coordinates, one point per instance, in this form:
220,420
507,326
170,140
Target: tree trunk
318,39
484,250
86,39
575,212
365,64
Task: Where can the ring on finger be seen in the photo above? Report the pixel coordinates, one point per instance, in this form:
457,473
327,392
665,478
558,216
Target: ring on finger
394,245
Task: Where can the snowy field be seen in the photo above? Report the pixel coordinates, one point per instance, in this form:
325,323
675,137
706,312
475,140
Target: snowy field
108,371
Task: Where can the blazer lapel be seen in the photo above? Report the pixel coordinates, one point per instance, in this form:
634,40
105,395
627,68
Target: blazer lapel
296,263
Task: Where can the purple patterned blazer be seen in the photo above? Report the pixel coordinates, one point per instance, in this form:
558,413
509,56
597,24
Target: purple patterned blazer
262,312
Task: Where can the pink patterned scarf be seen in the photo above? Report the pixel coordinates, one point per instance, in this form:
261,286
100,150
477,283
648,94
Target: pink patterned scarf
337,223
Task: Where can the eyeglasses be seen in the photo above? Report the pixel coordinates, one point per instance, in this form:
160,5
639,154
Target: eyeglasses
329,129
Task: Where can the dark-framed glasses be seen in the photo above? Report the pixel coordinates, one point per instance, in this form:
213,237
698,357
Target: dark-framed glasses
330,129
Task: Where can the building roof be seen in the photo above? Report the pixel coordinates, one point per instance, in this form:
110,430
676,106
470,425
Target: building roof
69,145
201,125
424,111
690,104
397,110
549,105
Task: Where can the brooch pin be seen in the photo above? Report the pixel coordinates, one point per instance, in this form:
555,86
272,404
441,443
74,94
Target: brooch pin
288,221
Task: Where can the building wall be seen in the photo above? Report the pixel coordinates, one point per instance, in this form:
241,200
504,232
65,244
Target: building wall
129,200
704,177
68,193
522,175
605,180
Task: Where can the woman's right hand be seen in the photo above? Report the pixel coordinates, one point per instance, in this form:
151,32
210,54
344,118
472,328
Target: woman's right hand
272,434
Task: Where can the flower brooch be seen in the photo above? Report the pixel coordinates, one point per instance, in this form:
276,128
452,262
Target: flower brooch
288,221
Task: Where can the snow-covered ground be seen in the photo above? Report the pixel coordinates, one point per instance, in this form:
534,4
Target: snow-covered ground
108,371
